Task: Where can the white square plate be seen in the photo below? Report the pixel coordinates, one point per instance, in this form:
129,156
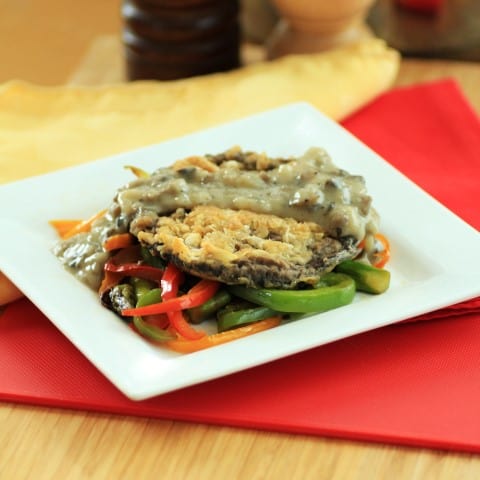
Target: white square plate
435,255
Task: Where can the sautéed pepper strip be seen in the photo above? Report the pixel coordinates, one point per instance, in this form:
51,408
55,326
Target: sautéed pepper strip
170,284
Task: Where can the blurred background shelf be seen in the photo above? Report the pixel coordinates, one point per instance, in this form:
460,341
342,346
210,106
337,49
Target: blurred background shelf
44,41
452,32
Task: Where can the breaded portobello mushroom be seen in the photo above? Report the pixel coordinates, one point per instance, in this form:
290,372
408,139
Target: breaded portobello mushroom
244,248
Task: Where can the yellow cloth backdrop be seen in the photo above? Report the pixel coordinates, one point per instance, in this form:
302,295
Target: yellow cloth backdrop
46,128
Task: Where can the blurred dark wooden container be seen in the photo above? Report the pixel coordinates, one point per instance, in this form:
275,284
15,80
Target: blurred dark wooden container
171,39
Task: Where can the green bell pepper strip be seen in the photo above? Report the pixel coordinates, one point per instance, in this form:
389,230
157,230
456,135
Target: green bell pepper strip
367,278
153,295
229,318
151,331
146,295
332,291
205,311
141,286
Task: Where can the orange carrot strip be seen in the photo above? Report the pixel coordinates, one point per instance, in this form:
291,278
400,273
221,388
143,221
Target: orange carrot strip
190,346
63,226
138,172
383,256
84,226
118,241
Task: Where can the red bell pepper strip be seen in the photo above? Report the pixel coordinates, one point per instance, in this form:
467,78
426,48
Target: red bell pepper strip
199,294
160,320
170,284
182,327
126,263
113,275
136,270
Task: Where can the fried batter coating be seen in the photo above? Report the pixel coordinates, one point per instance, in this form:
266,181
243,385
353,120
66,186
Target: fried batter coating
242,247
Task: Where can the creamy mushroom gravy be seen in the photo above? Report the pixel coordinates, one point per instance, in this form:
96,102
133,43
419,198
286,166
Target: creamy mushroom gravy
306,188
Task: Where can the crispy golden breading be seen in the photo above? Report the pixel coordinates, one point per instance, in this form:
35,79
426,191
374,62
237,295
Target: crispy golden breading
242,247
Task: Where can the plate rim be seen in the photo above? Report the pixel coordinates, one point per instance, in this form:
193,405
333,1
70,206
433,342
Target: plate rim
146,388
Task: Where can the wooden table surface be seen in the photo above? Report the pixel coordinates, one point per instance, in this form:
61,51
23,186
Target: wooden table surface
47,443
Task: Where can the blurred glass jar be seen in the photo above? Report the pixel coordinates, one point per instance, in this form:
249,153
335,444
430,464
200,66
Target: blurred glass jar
171,39
429,28
259,18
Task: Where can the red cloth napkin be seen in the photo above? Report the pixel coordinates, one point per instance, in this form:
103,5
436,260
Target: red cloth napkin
414,384
432,135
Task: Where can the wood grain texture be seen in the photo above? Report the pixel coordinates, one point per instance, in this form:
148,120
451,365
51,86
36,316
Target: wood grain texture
44,443
467,74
